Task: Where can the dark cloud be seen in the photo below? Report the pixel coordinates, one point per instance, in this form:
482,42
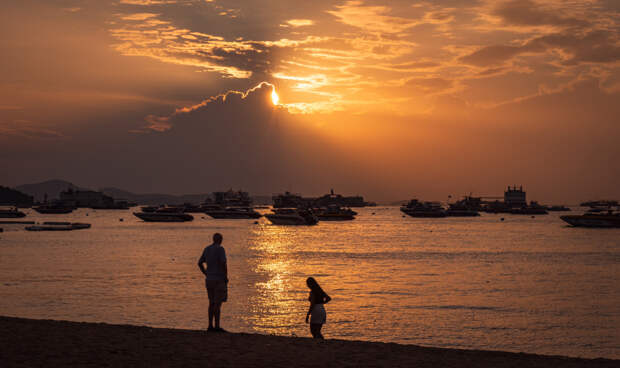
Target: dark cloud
530,13
593,47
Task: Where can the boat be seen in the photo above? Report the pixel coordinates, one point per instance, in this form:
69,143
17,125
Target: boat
55,208
461,212
334,213
163,216
12,212
600,203
590,219
292,216
58,226
463,208
233,213
558,208
417,208
533,209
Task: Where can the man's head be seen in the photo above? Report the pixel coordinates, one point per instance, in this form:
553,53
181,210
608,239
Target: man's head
217,238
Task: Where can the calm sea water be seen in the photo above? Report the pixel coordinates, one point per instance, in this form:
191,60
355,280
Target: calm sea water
524,284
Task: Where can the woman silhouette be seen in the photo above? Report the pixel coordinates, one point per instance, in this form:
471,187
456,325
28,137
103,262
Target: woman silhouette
316,313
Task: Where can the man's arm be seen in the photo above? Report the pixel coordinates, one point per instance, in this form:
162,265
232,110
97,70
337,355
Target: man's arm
224,265
201,264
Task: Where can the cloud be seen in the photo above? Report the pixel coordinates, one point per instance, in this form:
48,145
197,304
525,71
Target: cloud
373,19
593,47
28,130
530,13
299,22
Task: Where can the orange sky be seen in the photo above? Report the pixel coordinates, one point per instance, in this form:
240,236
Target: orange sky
387,99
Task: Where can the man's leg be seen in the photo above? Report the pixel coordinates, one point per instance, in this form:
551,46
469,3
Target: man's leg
217,307
212,315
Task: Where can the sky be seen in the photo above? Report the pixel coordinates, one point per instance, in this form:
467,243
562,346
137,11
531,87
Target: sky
387,99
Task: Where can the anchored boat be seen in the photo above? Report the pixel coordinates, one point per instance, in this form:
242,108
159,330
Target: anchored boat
292,216
417,208
233,213
11,213
163,216
334,213
589,219
58,226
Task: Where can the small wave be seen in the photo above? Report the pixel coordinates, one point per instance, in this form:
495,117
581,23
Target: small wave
457,307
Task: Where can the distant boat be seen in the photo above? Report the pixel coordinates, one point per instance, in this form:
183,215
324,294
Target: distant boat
334,213
417,208
163,216
233,213
58,226
55,208
11,213
600,203
609,219
533,209
292,216
558,208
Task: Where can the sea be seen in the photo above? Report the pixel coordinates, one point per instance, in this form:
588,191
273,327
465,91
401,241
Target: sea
495,282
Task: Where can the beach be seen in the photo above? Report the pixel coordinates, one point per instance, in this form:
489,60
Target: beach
34,343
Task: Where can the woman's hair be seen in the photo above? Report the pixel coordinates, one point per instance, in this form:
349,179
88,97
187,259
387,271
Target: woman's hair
319,294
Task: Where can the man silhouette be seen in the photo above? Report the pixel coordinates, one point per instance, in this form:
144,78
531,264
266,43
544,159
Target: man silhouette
216,279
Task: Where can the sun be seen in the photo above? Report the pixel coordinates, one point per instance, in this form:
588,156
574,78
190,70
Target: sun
274,97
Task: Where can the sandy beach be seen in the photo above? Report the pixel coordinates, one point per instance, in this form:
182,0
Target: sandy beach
34,343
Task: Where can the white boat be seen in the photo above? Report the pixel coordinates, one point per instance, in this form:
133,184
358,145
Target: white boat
292,216
58,226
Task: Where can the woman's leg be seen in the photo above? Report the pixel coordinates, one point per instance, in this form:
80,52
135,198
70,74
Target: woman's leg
315,329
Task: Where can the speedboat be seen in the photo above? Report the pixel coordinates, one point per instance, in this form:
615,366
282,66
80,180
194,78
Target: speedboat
233,213
55,208
292,216
163,216
11,213
417,208
591,219
58,226
334,213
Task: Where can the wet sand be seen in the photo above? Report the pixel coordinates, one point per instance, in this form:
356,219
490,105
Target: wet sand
37,343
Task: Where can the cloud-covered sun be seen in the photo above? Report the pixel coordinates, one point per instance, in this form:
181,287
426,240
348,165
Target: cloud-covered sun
274,97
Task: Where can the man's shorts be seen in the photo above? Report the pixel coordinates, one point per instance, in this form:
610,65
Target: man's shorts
217,290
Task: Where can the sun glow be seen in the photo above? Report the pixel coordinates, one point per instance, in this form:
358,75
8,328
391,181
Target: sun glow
274,97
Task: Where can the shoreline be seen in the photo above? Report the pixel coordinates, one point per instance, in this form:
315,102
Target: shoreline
32,343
